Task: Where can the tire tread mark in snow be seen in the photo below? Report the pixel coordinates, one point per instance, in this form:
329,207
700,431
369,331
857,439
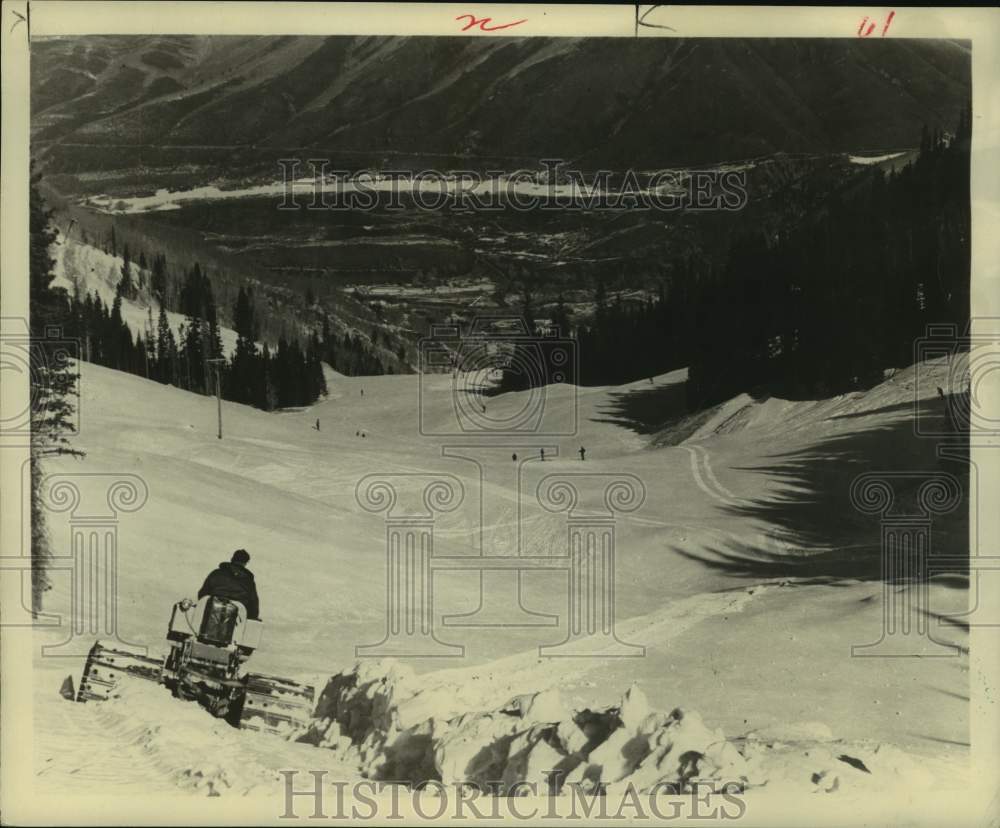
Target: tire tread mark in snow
713,488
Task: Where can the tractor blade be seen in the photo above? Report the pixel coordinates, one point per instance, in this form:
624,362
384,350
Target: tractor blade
108,664
277,705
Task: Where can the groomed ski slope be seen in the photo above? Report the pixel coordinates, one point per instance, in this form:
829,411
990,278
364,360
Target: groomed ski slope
746,573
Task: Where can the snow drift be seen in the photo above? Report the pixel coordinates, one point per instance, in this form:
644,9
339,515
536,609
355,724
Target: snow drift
377,717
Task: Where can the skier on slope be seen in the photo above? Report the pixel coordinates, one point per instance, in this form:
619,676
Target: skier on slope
234,581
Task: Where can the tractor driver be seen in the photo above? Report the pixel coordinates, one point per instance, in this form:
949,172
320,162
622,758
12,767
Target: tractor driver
234,581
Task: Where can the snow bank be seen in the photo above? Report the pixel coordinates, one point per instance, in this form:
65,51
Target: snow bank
378,717
777,415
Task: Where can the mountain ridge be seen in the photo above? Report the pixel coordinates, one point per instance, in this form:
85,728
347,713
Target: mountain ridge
597,102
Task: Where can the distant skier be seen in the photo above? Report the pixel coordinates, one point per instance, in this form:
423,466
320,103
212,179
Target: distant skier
317,425
514,457
362,392
542,454
951,416
947,408
234,581
583,454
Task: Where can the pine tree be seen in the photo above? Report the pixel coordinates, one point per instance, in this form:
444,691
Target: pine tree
150,344
158,277
192,355
269,395
314,368
166,350
53,383
246,362
560,317
117,332
126,287
201,340
139,357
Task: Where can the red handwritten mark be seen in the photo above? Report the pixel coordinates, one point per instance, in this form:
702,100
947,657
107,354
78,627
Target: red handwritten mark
892,14
863,32
483,23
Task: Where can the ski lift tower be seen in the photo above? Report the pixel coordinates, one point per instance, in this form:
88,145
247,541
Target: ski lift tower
216,362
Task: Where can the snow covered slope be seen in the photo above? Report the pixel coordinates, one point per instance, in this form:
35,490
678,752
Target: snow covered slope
746,573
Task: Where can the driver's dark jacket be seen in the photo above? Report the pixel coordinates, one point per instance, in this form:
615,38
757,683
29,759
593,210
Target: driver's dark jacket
234,582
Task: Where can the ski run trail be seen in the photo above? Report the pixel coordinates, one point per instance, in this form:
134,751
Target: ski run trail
745,576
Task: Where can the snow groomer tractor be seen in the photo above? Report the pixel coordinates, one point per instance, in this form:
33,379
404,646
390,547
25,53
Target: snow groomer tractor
210,644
